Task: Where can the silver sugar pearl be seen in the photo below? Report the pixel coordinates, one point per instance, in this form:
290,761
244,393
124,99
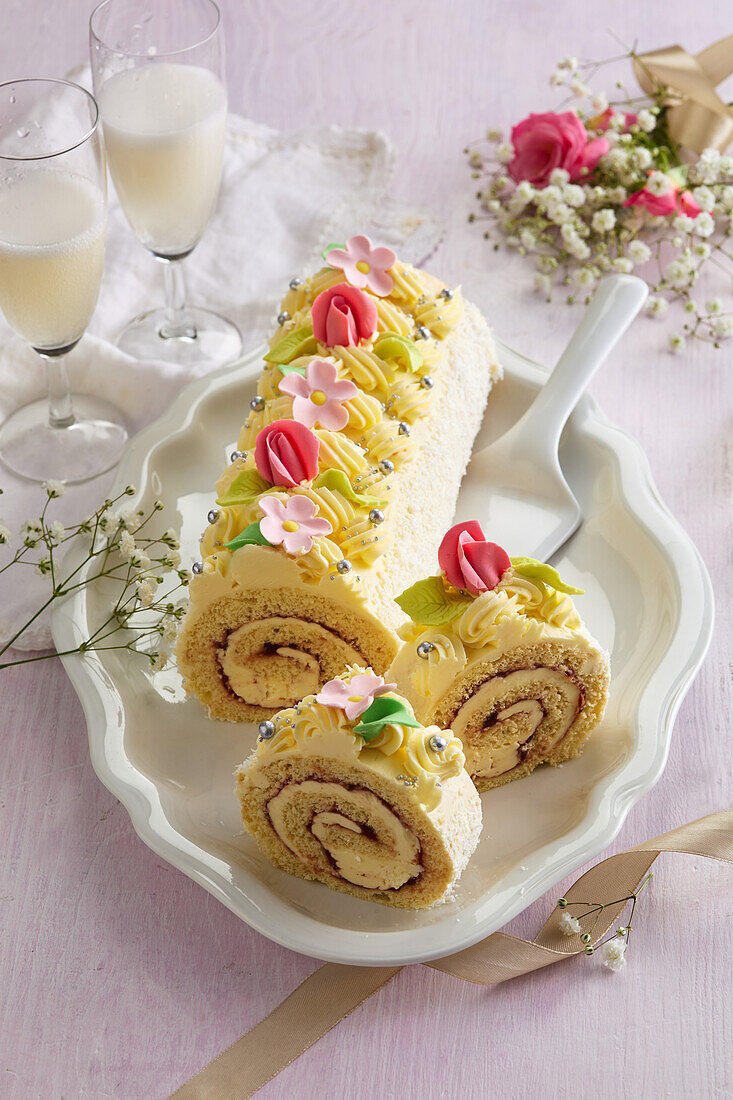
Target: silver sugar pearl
257,403
425,649
447,294
213,515
376,516
426,382
343,566
295,283
437,743
197,567
237,454
283,317
404,429
266,730
423,332
386,466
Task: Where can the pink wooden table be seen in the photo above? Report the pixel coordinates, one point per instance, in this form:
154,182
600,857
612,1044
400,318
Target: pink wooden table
120,977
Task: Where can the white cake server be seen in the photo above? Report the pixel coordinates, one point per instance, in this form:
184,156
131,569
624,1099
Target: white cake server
531,510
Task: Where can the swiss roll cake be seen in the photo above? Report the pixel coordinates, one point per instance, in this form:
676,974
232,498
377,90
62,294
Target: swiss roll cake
497,652
345,474
349,789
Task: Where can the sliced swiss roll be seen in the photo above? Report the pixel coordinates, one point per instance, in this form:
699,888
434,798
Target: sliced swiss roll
348,788
346,472
497,652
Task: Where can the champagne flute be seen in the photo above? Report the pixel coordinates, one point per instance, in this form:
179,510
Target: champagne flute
158,69
53,223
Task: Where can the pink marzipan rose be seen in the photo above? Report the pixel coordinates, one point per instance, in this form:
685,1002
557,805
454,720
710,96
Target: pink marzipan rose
343,315
469,561
286,453
688,205
548,141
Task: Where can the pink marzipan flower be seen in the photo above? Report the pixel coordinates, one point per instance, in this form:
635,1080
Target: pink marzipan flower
469,561
319,396
292,524
548,141
343,316
364,266
356,696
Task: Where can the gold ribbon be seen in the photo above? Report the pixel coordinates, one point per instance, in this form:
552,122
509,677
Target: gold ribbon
696,117
333,991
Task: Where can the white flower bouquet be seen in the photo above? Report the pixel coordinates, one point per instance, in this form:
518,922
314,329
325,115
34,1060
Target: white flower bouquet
601,187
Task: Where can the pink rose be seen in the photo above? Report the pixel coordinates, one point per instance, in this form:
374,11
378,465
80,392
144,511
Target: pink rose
469,561
545,142
343,315
286,453
688,205
602,122
659,205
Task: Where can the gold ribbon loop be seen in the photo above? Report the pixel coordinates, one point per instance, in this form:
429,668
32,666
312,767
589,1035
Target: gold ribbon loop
696,115
333,991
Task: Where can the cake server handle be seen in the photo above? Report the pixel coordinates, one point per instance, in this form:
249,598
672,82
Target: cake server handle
614,306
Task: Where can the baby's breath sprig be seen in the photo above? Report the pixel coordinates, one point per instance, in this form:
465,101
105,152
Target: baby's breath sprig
621,200
145,615
613,949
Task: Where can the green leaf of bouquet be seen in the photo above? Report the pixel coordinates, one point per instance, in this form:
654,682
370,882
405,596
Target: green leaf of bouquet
251,536
428,602
299,342
337,481
247,485
391,345
289,368
329,248
538,570
384,711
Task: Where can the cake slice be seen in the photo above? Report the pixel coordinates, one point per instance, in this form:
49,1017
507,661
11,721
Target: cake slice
349,789
497,652
346,472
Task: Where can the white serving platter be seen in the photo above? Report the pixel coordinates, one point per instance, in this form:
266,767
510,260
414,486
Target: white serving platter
648,599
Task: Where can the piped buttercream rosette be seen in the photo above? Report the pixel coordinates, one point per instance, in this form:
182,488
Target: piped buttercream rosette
350,789
496,650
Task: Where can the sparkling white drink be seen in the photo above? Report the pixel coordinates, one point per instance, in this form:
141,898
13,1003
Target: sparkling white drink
164,127
52,236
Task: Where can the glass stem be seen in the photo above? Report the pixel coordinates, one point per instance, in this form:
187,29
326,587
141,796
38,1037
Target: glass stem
177,324
60,407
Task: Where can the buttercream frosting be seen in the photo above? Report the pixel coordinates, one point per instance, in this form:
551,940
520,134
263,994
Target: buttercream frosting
399,752
517,612
384,372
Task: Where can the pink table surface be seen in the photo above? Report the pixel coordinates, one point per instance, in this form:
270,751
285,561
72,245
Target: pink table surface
120,977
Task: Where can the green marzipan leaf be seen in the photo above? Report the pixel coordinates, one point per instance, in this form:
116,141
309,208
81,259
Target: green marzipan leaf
288,369
384,711
251,536
537,570
428,602
300,342
338,481
247,485
329,248
391,345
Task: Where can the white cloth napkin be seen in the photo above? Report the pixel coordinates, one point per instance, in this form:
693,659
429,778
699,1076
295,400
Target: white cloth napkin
282,199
